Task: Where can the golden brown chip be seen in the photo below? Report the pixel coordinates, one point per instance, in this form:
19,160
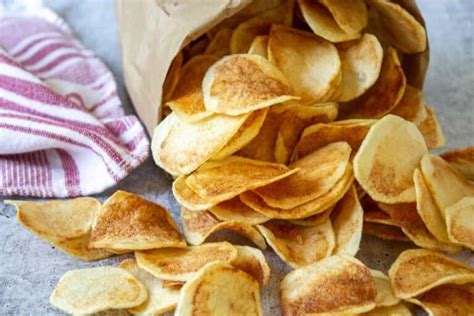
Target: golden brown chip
411,106
187,100
245,33
299,245
383,96
431,130
318,173
347,221
399,309
339,284
160,299
187,197
446,184
387,158
172,77
460,222
323,23
252,261
311,64
198,226
385,232
361,61
373,214
462,160
351,16
89,291
219,45
416,271
400,27
218,181
242,83
314,219
181,264
235,210
180,147
220,289
128,222
385,295
259,46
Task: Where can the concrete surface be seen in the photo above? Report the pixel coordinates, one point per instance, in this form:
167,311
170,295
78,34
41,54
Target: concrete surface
30,267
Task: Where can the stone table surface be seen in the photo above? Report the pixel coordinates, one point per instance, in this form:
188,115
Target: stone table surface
30,267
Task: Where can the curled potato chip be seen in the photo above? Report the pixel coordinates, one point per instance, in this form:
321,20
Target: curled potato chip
448,299
400,27
446,185
235,210
411,106
416,271
187,100
361,61
181,264
187,197
383,96
244,34
242,83
220,289
431,130
219,45
347,221
322,23
253,262
462,160
351,16
315,219
311,64
198,226
259,46
172,77
310,208
180,147
399,309
66,224
299,245
128,222
319,135
93,290
318,173
384,164
385,232
385,295
338,284
459,221
219,181
160,299
248,131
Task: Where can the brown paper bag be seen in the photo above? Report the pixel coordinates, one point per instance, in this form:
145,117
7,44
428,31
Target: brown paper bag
152,32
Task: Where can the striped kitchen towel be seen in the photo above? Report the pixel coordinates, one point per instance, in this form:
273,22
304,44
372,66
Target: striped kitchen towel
63,131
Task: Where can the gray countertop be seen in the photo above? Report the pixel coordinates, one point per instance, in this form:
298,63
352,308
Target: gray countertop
30,267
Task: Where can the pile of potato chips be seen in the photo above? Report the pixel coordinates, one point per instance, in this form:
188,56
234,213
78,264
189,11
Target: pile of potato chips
298,128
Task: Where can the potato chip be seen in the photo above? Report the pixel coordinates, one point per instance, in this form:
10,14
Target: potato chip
242,83
93,290
385,232
385,295
351,16
449,299
219,45
220,289
384,164
181,264
311,64
248,131
252,261
299,245
244,34
338,284
315,219
196,47
383,96
323,23
180,147
462,160
198,226
319,135
172,284
187,100
459,220
222,180
347,220
428,210
361,61
172,77
400,27
399,309
187,197
411,106
160,299
310,208
446,185
373,214
318,173
259,46
128,222
235,210
431,130
416,271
